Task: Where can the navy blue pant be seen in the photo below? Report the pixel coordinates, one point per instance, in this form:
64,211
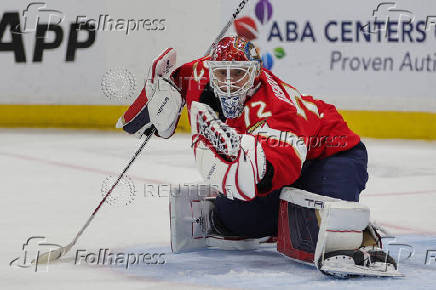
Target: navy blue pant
342,176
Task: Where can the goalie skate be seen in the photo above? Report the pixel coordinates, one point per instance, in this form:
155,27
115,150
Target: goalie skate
346,264
190,223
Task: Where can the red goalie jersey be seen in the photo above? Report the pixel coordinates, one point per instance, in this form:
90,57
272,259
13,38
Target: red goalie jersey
290,127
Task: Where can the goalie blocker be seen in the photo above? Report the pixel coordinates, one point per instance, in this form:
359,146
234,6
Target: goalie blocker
158,104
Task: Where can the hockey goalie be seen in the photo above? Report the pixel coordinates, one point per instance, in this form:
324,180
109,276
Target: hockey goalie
281,166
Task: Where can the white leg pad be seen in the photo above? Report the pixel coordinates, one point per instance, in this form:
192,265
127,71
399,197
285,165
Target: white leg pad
341,223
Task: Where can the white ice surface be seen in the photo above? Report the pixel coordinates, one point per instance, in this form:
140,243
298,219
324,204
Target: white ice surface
51,181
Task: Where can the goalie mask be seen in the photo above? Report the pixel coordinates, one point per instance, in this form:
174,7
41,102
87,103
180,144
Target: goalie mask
234,69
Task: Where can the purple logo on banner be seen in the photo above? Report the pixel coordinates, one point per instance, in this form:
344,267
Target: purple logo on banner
246,27
263,11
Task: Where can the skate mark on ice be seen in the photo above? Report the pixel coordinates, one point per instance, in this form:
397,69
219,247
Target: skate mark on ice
78,167
433,191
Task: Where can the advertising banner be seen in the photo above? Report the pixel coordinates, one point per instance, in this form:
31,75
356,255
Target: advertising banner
359,55
58,52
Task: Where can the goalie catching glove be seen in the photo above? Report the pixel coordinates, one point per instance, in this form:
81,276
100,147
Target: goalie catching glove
158,103
233,163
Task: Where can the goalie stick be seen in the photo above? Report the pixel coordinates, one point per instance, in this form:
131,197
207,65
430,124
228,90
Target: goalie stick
229,23
54,255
